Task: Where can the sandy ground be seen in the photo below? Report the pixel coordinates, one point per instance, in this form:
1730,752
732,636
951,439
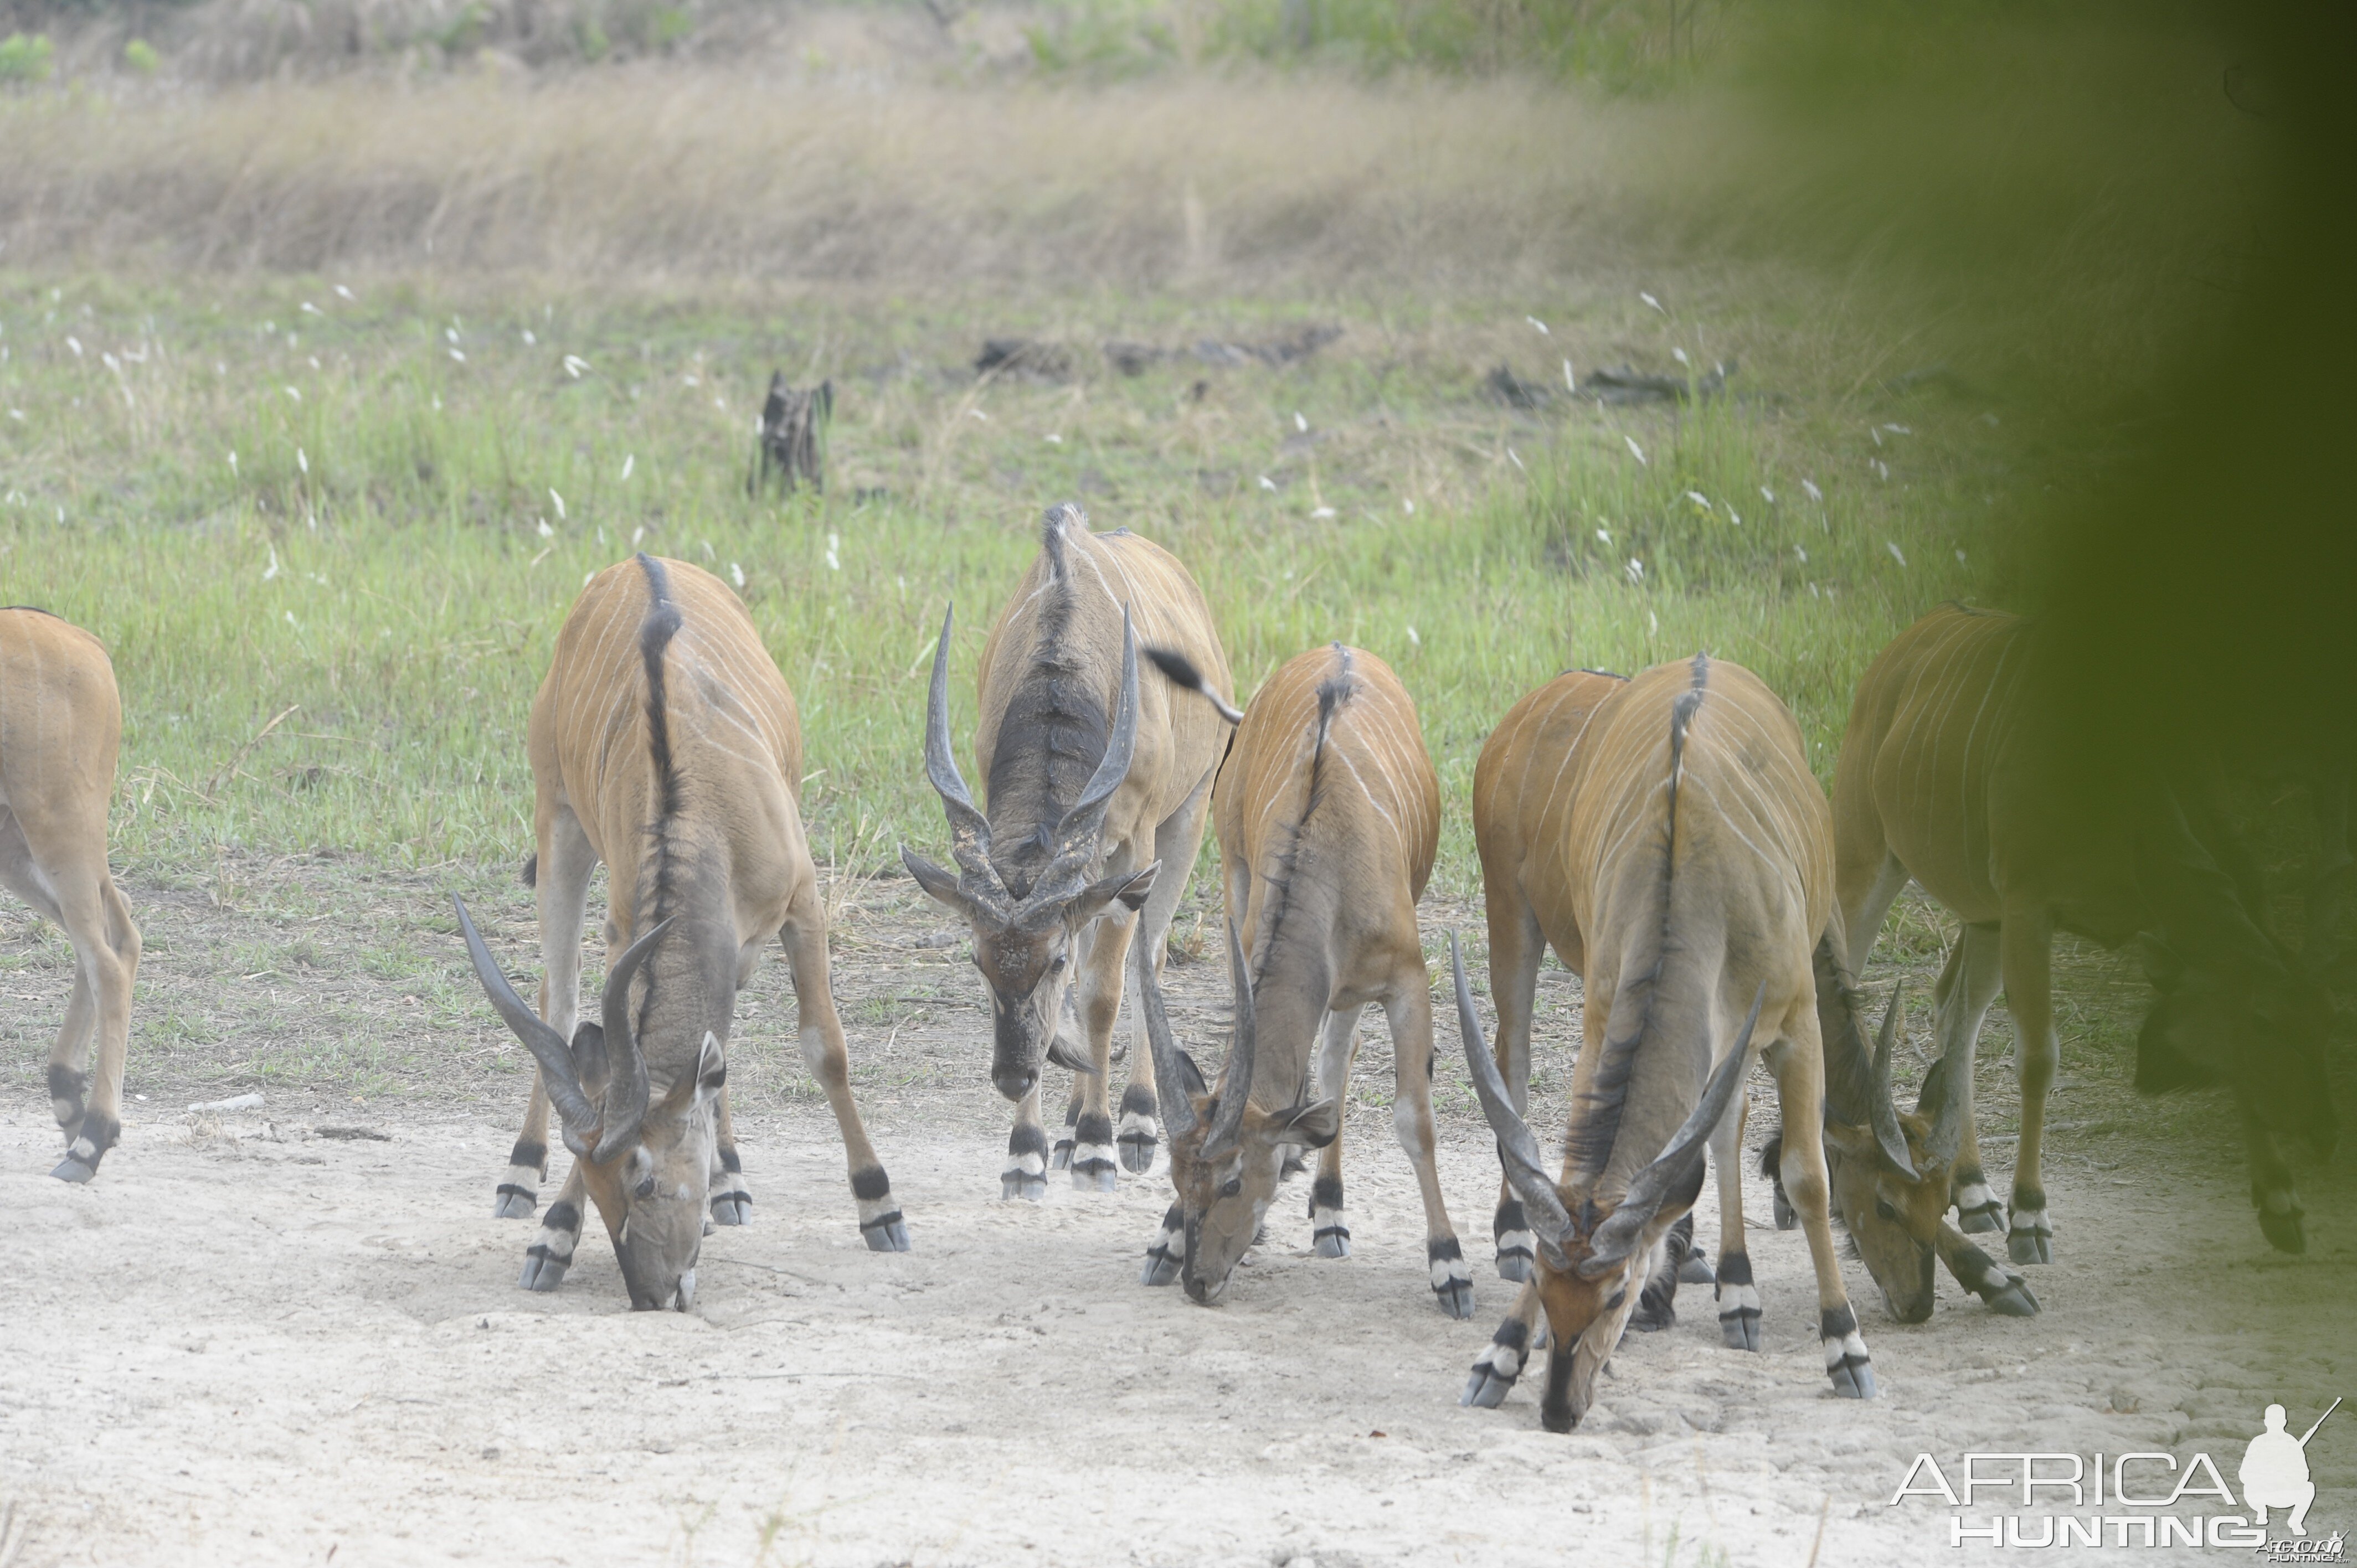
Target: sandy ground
250,1343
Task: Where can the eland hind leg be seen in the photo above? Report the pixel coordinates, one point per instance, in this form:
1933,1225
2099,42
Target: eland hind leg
1409,1009
59,866
1968,984
804,939
2028,962
1797,1061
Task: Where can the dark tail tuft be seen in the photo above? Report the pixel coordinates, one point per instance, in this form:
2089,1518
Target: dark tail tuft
532,869
1176,668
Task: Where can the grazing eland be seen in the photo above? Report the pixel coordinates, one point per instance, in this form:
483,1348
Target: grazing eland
60,733
1096,801
1941,779
1328,815
1698,872
664,743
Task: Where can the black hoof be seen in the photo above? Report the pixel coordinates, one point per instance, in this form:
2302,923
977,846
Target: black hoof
513,1202
1515,1266
1493,1379
732,1208
1741,1328
1095,1176
1137,1153
1456,1299
1981,1220
544,1271
1061,1158
1787,1217
1023,1184
1852,1379
2011,1300
885,1233
1696,1271
2032,1246
73,1170
1161,1267
1332,1242
2284,1231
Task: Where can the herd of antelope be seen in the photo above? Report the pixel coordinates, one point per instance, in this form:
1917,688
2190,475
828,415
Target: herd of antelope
1663,834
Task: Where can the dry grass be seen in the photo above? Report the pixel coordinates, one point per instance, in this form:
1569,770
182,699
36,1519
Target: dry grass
657,173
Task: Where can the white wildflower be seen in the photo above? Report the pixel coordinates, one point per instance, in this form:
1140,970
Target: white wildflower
737,573
1636,572
559,502
1539,325
1895,553
1636,451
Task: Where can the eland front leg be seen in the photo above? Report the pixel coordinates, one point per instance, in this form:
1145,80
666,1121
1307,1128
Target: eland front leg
804,938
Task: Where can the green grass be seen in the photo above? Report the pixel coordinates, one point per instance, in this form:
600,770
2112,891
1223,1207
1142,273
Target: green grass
372,572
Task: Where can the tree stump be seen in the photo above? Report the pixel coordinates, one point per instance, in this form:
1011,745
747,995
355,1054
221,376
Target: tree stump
790,446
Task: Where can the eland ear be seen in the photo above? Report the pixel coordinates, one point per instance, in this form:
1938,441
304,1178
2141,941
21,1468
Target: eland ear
1852,1143
589,1056
941,885
705,1080
1311,1127
1129,889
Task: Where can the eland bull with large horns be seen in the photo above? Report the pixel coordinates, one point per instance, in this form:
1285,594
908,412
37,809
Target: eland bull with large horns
1096,796
1889,1169
665,743
1696,891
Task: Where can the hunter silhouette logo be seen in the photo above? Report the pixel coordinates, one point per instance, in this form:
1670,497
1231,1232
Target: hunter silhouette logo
2274,1471
2148,1498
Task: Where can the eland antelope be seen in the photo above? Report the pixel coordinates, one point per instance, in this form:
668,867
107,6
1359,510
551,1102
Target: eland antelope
1876,1158
1697,877
60,732
664,743
1329,814
1096,798
1940,780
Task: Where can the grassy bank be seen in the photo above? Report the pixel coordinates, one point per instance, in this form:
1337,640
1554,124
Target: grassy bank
329,532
